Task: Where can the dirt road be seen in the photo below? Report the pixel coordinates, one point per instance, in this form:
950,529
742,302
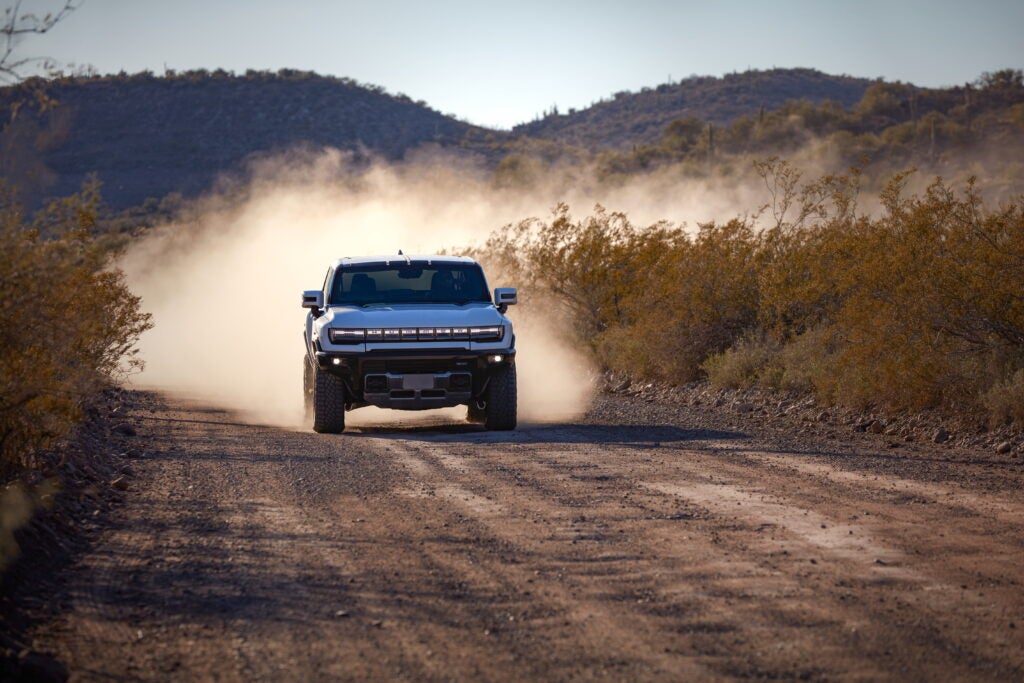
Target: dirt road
646,542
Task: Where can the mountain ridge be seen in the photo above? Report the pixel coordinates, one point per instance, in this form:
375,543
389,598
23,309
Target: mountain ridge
632,117
147,136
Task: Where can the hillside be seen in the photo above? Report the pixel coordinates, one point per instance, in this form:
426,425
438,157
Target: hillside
146,136
972,130
637,117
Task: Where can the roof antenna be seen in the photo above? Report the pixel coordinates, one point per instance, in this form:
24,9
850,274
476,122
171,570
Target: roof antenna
400,253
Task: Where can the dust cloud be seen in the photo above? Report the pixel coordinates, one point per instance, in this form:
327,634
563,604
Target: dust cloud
223,281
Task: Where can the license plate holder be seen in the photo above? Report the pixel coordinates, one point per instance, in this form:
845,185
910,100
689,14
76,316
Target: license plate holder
418,382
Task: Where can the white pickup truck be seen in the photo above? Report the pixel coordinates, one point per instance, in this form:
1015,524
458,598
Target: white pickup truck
412,333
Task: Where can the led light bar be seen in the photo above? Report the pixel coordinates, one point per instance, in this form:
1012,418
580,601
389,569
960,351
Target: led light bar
346,336
487,333
343,335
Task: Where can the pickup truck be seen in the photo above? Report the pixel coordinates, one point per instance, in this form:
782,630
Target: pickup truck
409,333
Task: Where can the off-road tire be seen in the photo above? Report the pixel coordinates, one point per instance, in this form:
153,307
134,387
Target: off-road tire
307,386
328,403
501,399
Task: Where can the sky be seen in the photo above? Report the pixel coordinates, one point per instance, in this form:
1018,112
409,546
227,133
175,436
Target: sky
502,62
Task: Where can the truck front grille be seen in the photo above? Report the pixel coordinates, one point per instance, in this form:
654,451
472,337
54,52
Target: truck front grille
416,366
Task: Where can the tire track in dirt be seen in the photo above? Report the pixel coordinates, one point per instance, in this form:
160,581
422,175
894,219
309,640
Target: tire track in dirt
629,552
996,506
600,632
965,583
645,587
846,542
884,568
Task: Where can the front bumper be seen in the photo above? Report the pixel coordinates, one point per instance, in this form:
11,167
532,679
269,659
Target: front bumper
410,379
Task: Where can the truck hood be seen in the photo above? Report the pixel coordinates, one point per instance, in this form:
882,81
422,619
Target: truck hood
411,315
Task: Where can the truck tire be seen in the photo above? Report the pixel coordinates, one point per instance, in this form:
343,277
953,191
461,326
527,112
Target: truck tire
328,403
501,399
307,386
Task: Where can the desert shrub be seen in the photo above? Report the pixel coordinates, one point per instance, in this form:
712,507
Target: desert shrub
806,364
635,349
931,290
1005,401
68,323
517,171
599,270
708,295
747,363
920,305
652,301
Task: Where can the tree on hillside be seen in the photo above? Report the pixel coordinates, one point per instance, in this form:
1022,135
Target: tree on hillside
1004,79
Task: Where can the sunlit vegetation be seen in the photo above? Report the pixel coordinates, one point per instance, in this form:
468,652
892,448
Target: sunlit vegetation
977,128
920,305
68,324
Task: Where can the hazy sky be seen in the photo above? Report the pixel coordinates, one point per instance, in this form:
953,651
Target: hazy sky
502,63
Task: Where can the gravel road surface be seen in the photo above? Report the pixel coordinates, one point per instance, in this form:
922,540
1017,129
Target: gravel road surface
646,541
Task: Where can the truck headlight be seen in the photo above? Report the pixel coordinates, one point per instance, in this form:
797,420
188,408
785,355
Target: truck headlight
346,336
483,334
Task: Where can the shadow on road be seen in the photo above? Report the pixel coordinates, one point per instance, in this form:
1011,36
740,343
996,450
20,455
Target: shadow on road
639,436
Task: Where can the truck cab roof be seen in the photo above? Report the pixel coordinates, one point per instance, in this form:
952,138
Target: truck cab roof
389,259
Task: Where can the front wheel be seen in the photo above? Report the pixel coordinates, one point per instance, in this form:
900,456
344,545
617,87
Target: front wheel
307,386
328,403
500,410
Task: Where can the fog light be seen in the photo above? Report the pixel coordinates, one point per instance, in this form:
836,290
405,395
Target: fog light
376,384
495,358
336,361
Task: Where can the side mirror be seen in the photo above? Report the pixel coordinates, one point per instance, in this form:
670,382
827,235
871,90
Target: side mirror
505,297
313,298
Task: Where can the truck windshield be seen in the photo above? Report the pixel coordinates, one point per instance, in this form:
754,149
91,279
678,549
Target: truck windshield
396,284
